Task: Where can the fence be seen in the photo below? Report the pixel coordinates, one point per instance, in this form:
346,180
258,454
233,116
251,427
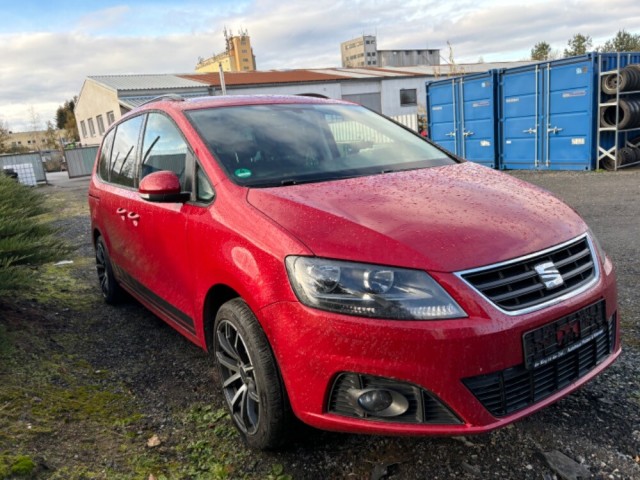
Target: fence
28,166
80,161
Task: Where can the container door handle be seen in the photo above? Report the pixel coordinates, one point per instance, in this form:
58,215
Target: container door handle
468,134
450,134
530,130
554,130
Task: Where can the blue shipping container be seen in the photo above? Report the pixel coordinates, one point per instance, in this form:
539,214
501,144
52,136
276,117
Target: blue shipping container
462,116
541,116
549,112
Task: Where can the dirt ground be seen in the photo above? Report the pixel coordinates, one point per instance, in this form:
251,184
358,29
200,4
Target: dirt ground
92,391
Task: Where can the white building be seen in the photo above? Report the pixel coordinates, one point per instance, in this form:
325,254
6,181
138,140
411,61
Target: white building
395,92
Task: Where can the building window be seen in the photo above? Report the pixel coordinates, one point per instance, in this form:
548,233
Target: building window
92,128
100,124
110,118
83,127
408,96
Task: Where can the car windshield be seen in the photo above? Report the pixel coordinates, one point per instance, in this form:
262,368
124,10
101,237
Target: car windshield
286,144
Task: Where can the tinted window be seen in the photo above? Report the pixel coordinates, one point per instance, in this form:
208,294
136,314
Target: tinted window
270,145
123,157
105,156
163,147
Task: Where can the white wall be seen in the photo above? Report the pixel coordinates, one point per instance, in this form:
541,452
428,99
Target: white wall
391,96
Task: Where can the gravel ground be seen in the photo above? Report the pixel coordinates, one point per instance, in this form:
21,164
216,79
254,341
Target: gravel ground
594,433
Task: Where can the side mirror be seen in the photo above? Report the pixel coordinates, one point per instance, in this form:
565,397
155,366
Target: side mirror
162,186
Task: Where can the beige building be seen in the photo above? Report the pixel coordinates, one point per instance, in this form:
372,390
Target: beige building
359,52
35,140
238,56
104,99
363,52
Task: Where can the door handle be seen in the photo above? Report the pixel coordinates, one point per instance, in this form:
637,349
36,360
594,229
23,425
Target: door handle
554,130
530,130
450,134
468,134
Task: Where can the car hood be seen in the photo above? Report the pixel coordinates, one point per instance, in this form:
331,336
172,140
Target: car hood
441,219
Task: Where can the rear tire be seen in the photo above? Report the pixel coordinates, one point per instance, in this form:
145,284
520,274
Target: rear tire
249,377
109,286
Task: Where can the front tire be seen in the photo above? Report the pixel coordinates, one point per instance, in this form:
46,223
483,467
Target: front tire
111,290
249,376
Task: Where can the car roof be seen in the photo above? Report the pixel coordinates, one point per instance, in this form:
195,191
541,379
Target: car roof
176,102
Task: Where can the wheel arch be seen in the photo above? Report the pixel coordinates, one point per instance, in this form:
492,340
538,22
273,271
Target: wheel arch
217,296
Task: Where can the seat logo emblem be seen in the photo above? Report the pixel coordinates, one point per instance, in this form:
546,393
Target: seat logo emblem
549,275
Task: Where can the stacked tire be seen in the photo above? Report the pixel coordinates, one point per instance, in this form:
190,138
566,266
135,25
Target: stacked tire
623,115
627,155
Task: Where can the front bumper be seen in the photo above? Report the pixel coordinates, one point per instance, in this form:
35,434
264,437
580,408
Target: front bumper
313,348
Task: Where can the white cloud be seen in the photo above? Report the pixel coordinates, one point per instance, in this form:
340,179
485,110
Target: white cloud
45,69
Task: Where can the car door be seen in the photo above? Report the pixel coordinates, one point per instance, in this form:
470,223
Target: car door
118,170
163,269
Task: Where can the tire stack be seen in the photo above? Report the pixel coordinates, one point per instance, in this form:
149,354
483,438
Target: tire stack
625,114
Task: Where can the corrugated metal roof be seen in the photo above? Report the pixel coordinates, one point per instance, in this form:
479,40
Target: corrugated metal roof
145,82
257,78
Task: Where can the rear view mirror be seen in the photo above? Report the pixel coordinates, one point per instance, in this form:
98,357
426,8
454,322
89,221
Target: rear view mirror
162,186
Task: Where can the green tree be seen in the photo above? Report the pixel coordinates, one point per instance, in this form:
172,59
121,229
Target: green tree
578,45
541,51
66,120
25,241
4,137
622,42
50,136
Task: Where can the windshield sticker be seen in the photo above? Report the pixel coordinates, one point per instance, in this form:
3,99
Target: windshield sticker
243,173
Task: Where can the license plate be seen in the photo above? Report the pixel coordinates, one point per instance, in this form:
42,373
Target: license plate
554,340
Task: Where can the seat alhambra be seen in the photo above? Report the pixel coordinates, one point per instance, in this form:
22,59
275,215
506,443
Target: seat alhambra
344,271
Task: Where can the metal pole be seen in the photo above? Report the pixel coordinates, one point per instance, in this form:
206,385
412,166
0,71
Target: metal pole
223,87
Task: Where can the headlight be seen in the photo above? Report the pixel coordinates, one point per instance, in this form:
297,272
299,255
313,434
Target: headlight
369,290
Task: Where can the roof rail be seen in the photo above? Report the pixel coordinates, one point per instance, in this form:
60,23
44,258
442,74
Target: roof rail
173,97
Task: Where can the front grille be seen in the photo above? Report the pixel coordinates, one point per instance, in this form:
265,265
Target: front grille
516,388
515,285
423,406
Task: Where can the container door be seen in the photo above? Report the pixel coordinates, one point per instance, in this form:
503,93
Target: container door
569,127
443,114
478,120
521,112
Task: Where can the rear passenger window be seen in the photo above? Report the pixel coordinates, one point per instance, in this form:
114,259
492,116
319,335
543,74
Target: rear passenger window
163,148
123,156
105,156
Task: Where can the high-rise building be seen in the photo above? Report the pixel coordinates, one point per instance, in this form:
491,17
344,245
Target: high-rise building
363,52
237,57
359,52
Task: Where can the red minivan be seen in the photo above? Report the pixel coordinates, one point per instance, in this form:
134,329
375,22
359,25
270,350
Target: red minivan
345,271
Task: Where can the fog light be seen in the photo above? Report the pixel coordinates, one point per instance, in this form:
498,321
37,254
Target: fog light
380,402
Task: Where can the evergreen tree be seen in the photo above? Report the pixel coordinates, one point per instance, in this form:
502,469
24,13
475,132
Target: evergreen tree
25,241
541,51
578,45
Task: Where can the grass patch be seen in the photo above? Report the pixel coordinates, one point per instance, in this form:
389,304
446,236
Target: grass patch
63,286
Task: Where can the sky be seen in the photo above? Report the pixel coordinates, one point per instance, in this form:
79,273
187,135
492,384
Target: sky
49,47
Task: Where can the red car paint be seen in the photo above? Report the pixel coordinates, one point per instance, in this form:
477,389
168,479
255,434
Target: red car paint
441,220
